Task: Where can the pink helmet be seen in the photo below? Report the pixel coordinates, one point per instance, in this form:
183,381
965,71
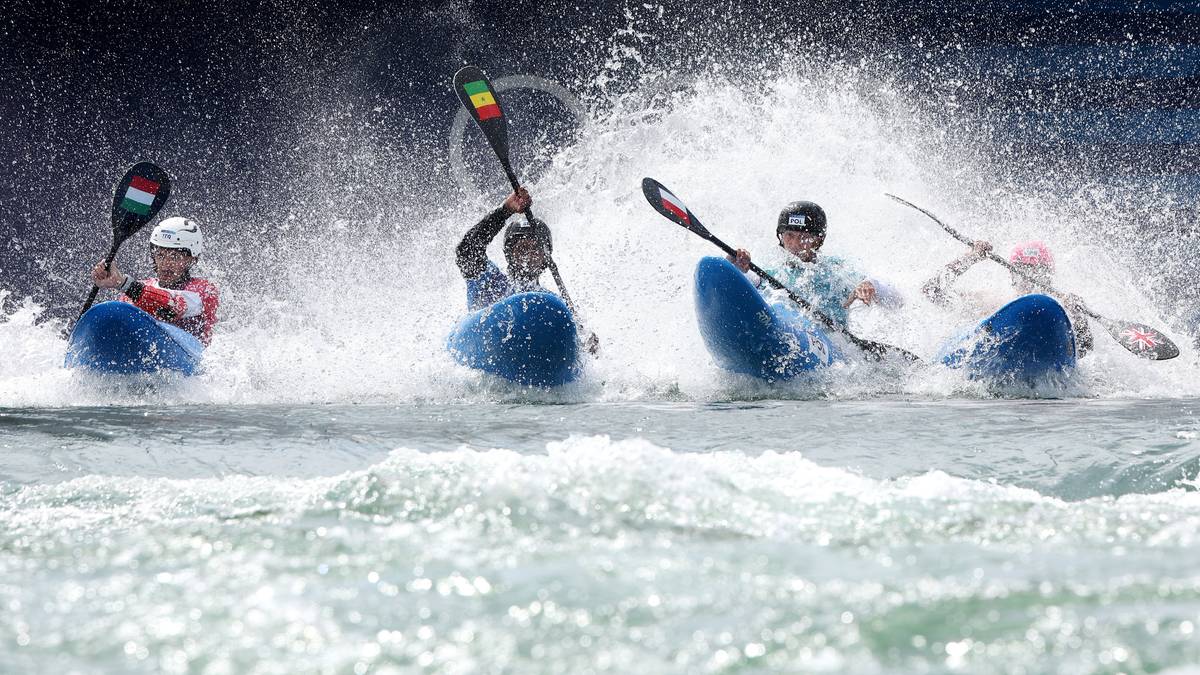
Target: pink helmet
1033,253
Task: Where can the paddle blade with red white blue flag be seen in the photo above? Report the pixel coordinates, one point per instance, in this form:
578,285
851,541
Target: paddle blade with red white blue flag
1140,339
138,198
672,207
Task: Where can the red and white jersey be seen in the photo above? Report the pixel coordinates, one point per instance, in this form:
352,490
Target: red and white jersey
192,306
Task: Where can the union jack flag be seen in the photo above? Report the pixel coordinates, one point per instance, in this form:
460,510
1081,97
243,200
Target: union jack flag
1141,339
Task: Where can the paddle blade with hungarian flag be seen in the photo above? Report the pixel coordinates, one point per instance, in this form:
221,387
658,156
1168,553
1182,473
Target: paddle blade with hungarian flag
138,198
477,96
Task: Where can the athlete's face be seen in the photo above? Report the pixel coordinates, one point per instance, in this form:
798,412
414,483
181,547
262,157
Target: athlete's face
170,264
526,259
803,245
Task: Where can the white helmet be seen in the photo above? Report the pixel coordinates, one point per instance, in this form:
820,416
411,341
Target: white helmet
178,232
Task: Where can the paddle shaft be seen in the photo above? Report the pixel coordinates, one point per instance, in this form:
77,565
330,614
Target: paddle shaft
1011,267
108,260
780,285
866,345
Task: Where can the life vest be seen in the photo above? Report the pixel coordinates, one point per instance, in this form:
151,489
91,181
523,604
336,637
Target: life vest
190,304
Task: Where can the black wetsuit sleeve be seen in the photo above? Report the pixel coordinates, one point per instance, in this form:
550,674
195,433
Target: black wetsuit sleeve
1083,338
1084,342
471,254
935,289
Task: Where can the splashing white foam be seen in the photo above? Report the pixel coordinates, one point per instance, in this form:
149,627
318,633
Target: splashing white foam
357,314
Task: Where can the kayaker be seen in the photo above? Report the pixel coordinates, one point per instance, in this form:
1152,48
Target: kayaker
172,295
829,283
527,247
1035,260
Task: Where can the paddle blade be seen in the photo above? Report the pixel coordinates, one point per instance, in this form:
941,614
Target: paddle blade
477,96
1141,340
137,199
672,207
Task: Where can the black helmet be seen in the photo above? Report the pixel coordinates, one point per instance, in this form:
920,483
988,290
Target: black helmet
533,228
801,217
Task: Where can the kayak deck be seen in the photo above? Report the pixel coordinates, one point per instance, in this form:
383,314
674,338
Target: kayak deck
745,334
117,337
528,338
1025,341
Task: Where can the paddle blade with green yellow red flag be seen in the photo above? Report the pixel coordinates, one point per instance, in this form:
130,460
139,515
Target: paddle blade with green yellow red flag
477,96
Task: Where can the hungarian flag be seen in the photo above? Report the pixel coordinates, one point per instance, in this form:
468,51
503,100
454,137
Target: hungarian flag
482,99
673,204
139,195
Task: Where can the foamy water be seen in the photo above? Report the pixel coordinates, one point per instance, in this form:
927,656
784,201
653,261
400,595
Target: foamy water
347,312
315,542
334,494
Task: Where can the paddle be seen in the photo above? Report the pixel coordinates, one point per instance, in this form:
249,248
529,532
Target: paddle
477,96
1140,339
673,209
136,200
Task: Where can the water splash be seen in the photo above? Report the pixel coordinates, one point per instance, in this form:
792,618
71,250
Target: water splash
329,309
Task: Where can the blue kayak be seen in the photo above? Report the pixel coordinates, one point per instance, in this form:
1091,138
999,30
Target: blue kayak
746,335
527,338
1025,341
116,337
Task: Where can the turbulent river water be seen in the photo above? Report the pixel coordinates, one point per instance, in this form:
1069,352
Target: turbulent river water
334,494
754,536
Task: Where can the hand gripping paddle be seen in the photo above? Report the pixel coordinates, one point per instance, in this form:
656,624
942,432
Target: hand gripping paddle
477,96
136,200
673,209
1138,338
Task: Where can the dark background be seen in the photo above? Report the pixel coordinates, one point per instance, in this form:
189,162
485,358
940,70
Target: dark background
265,112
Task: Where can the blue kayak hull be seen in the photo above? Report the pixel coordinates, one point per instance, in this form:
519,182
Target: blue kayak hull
1025,341
746,335
116,337
528,338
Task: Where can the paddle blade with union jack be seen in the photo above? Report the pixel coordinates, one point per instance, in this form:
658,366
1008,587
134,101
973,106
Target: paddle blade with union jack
1142,340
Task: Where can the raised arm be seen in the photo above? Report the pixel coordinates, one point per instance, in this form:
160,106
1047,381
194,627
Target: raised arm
935,289
471,253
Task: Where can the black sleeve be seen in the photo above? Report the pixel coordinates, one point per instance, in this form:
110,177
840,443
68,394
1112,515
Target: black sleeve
135,290
471,254
935,290
1083,333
